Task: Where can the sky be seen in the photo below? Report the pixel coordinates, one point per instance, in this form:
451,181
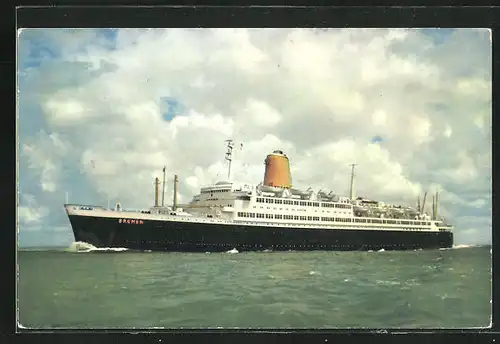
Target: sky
101,111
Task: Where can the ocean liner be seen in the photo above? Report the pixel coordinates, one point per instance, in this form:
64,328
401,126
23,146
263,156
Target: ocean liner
272,215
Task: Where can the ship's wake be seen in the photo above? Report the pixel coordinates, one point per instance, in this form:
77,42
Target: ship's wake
84,247
456,247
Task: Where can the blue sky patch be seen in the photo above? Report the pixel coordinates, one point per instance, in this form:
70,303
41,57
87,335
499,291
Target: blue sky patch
35,48
377,139
438,35
171,107
110,36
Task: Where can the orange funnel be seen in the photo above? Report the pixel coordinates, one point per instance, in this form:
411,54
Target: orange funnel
277,170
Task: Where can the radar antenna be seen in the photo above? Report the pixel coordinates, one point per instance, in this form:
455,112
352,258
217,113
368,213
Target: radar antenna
229,156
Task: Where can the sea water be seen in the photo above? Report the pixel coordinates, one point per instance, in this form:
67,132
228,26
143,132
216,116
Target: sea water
82,287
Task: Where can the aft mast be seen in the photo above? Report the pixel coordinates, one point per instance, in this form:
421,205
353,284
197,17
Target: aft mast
229,156
351,190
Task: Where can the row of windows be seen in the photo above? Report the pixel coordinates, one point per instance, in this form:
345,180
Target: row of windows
217,191
291,217
302,203
336,219
260,216
327,219
279,216
335,205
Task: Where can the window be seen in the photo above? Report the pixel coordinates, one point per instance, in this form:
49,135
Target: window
309,218
295,202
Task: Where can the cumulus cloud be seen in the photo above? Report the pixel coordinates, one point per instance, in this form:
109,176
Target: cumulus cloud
30,212
97,115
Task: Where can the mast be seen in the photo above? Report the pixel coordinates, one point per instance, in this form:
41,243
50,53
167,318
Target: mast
423,203
163,191
436,210
229,156
176,187
157,184
351,191
418,205
433,207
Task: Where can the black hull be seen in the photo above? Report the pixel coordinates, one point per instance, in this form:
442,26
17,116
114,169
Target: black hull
208,237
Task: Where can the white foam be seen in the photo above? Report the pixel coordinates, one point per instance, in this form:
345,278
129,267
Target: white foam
462,246
456,247
232,251
388,282
381,250
83,247
313,273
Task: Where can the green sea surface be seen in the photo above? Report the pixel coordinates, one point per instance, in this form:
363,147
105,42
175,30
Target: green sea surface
412,289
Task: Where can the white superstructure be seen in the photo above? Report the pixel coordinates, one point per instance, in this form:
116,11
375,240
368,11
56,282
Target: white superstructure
258,204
